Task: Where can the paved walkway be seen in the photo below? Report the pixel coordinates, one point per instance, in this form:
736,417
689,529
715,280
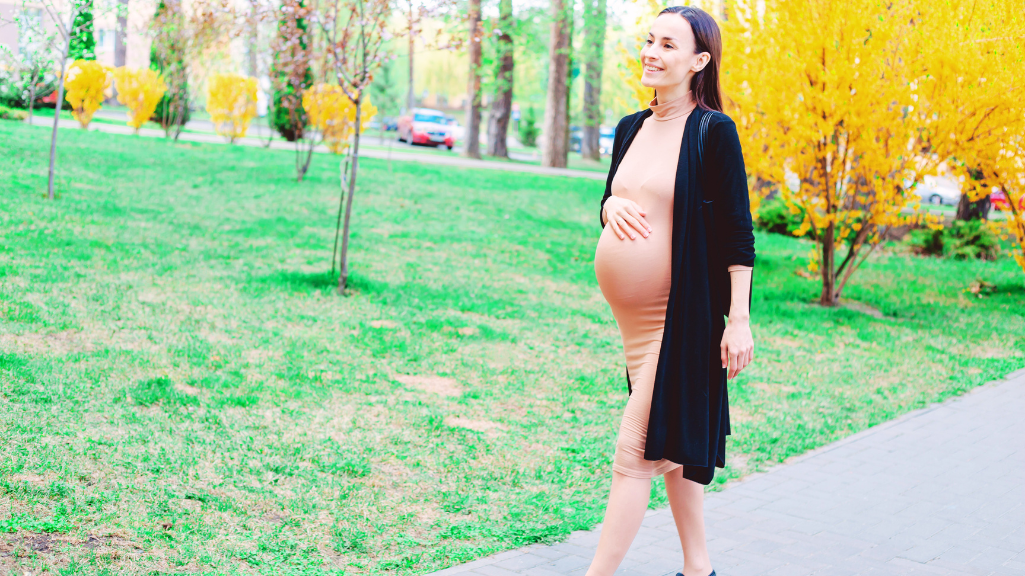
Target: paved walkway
940,491
400,153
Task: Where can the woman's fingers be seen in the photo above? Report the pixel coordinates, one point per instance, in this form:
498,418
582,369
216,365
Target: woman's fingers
734,359
722,353
633,225
643,227
614,222
640,214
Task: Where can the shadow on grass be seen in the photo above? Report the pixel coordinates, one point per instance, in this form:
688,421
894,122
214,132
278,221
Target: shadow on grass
298,281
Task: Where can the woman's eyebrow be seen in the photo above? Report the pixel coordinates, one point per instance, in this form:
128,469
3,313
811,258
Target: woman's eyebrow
670,38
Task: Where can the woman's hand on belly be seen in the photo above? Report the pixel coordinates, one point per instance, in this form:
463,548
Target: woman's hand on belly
626,218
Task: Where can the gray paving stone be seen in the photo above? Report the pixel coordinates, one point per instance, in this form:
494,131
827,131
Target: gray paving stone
935,492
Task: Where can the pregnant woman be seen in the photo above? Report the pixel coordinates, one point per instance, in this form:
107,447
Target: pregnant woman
674,258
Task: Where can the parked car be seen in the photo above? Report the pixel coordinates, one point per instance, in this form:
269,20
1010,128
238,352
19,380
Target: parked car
426,126
605,139
999,200
939,190
606,136
390,123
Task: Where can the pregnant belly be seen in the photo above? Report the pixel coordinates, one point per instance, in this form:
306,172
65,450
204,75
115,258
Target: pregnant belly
633,274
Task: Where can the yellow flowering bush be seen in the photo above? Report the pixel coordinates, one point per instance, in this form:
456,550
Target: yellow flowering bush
84,88
844,107
231,103
334,115
140,90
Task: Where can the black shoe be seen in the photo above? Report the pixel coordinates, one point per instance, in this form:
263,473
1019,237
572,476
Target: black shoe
681,573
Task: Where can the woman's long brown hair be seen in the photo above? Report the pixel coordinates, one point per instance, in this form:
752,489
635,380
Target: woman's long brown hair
707,38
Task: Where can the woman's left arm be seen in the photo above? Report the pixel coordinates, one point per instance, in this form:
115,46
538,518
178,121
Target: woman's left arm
737,347
735,235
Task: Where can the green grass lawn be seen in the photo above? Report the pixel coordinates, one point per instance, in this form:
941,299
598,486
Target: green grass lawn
182,390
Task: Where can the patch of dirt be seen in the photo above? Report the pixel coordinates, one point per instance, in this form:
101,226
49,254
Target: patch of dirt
57,343
435,384
863,308
785,342
478,425
76,341
383,324
764,387
468,331
187,389
30,478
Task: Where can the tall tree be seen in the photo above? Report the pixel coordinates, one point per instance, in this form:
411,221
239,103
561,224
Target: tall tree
501,108
473,88
121,35
291,73
83,42
594,48
555,144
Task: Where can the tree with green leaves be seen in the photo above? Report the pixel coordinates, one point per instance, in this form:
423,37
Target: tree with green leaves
290,72
83,39
166,57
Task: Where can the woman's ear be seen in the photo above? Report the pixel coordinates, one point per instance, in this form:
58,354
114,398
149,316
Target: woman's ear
703,59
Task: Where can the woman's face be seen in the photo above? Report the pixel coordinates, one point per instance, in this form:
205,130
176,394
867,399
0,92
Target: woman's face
668,56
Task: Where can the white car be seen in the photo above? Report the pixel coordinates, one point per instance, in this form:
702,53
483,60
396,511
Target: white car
939,190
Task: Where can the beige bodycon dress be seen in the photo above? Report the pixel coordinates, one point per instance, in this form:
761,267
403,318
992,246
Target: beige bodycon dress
635,275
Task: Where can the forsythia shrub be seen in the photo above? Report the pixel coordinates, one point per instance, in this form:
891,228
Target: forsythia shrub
231,102
140,90
84,85
334,115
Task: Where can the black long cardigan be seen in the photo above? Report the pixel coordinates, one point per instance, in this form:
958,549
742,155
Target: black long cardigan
689,418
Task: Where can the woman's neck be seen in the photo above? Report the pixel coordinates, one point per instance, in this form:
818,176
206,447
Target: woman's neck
670,93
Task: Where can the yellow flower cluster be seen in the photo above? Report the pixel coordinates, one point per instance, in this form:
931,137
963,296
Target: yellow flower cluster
231,103
332,113
84,88
140,90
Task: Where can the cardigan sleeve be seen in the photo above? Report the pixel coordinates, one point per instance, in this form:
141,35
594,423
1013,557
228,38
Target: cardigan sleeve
727,179
617,145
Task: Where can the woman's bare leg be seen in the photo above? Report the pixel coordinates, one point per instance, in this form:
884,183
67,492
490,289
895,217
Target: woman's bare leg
686,498
628,501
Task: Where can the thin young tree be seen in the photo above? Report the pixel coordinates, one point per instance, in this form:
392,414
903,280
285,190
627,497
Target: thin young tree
555,141
593,55
62,39
473,96
501,107
354,32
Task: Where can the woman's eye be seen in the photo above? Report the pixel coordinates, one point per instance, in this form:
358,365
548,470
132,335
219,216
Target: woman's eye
648,41
670,46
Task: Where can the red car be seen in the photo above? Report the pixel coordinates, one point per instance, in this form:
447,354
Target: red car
426,126
999,200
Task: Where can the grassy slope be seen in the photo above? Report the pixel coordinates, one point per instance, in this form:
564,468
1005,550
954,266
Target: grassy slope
306,433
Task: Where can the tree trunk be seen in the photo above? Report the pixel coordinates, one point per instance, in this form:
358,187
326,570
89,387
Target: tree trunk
501,108
253,47
473,89
594,42
57,110
121,35
343,275
410,96
978,210
555,146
